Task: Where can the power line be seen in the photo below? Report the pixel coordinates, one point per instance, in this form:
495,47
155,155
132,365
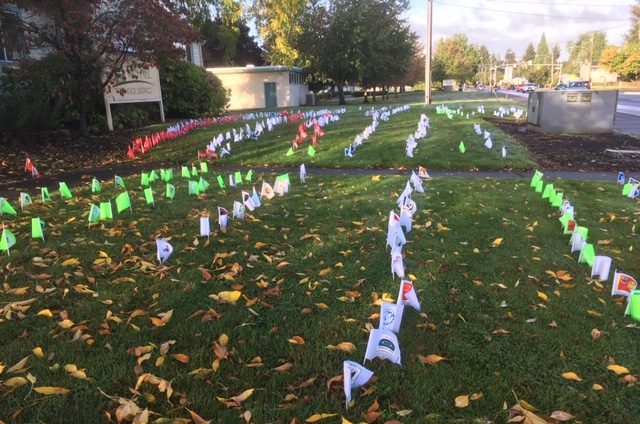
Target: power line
533,14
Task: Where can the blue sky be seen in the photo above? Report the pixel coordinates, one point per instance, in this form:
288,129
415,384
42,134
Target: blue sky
503,24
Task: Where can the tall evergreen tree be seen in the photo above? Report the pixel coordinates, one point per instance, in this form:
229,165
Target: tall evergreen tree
542,52
510,57
529,53
634,33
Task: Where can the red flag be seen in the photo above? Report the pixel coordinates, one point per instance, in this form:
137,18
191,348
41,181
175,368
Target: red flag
28,166
147,144
131,154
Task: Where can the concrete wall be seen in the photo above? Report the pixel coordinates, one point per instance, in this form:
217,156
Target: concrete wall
247,87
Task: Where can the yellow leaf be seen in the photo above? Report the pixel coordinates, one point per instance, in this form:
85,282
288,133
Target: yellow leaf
430,359
375,178
71,262
571,376
45,313
497,242
593,313
317,417
412,277
462,401
476,396
181,357
19,365
48,390
229,296
324,272
15,382
343,346
543,296
243,396
260,245
296,340
38,352
223,339
65,324
618,369
597,388
345,421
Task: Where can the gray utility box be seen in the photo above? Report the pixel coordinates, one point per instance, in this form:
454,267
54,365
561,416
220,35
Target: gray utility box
559,111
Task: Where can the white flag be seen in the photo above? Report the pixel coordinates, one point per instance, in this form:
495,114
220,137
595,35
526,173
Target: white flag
383,344
405,219
232,181
238,210
303,173
577,241
246,200
204,226
391,316
477,129
267,191
255,198
395,237
601,267
623,284
488,143
397,266
504,152
281,187
408,296
394,219
409,205
223,217
487,134
354,375
164,250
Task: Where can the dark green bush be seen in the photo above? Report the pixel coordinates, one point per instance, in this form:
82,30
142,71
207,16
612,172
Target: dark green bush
189,91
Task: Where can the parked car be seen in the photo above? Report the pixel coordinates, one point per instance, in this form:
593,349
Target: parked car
560,86
529,87
573,86
519,88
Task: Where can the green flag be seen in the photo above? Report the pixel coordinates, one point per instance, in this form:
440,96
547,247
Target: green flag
283,177
25,200
153,176
144,179
548,191
171,191
64,191
194,188
148,196
204,168
237,177
290,151
537,176
105,210
166,175
118,181
7,240
123,202
564,220
5,207
583,231
587,254
36,228
311,151
44,193
461,147
94,214
204,185
557,201
633,305
221,182
249,175
539,186
185,172
194,171
626,189
95,186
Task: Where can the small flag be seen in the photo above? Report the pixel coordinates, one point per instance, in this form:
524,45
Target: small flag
246,200
5,207
144,179
601,267
422,172
539,186
383,344
194,171
267,191
587,254
237,177
94,214
64,191
354,375
238,210
577,242
557,200
397,265
311,151
164,250
204,226
153,176
290,152
194,188
223,217
7,240
166,175
626,189
25,200
36,228
504,152
537,176
148,196
391,316
633,305
548,191
171,191
44,193
303,173
123,202
204,168
408,296
119,182
461,147
105,211
221,182
255,198
185,172
232,181
249,175
623,284
621,178
203,185
95,186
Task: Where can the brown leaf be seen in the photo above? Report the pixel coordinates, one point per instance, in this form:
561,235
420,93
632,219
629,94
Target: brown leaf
431,359
181,357
296,340
462,401
561,416
284,367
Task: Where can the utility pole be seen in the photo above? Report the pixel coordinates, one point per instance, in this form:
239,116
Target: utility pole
427,54
591,55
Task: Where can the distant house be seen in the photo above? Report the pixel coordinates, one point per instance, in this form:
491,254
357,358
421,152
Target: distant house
255,87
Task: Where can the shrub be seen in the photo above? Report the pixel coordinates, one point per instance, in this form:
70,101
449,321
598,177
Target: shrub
189,91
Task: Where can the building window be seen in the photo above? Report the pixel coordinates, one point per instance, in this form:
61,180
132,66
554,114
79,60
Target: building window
10,41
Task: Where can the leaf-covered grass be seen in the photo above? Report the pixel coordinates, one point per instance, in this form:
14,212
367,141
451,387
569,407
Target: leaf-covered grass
310,264
384,149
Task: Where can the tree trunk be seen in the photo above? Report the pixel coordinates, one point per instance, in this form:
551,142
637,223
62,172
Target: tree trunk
395,89
373,94
341,100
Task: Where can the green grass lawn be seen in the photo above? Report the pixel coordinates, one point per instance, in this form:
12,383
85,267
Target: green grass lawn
384,149
311,264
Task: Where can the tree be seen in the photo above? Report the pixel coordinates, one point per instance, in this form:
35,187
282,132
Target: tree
624,60
458,59
529,53
510,57
229,44
555,53
279,26
99,40
634,33
587,48
542,52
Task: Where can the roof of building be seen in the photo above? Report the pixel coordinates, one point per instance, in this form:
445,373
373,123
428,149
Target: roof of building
254,69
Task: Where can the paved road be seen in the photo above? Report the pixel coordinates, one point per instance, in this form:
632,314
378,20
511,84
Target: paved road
627,113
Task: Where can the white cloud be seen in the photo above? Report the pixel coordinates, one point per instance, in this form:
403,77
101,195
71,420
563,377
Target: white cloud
499,31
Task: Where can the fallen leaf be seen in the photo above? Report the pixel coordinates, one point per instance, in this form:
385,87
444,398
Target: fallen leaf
543,296
45,313
462,401
561,416
19,365
48,390
284,367
229,296
571,376
343,346
596,334
619,370
296,340
181,357
38,352
497,242
431,359
15,381
65,324
597,387
317,417
71,262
